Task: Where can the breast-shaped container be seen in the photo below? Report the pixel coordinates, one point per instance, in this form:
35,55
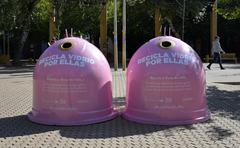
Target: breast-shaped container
72,85
166,84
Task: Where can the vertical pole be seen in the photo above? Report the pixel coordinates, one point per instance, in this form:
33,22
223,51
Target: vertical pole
157,22
183,19
124,37
8,46
213,21
160,30
4,43
115,37
66,33
103,30
164,31
71,32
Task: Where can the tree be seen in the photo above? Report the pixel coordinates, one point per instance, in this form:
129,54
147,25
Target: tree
40,16
16,16
7,15
21,17
24,23
140,18
7,22
82,17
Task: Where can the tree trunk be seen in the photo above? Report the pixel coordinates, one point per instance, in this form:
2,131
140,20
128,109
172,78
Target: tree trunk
157,21
22,42
25,32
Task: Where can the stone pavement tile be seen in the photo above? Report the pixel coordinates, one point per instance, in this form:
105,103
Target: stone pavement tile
223,130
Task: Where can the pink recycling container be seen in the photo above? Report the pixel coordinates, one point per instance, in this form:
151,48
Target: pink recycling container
72,85
166,84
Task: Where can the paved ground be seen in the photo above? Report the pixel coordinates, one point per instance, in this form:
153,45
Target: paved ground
223,130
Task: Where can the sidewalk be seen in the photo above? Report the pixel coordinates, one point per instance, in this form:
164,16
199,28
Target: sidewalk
223,130
230,74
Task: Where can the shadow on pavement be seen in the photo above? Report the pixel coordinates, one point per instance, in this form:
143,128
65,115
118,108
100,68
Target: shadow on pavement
21,126
224,103
118,127
221,103
229,83
15,70
219,133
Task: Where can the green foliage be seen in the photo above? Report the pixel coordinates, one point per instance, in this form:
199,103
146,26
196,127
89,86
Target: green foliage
134,2
41,11
8,14
24,12
40,17
85,2
110,16
229,9
140,25
16,14
83,15
82,18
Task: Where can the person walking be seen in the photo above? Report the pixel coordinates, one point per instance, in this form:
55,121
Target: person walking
216,53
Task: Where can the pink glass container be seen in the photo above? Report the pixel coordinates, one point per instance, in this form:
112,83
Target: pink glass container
72,85
166,84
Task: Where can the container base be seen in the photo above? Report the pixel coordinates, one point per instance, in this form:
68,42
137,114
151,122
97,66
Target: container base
163,121
45,119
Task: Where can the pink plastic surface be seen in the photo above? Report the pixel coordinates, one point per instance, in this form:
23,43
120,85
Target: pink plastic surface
166,85
72,86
